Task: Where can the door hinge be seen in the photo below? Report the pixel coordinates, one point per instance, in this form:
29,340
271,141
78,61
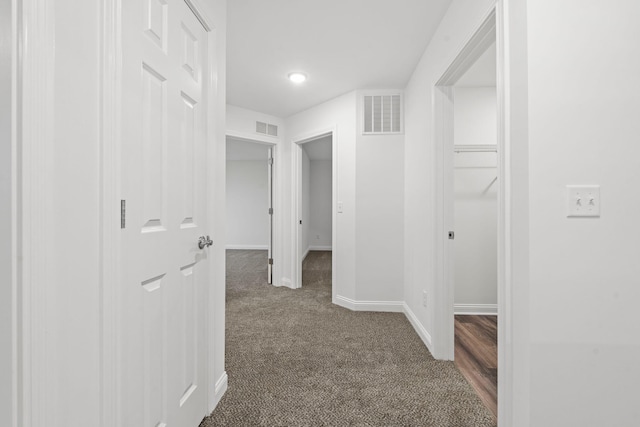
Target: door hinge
270,211
271,161
452,235
123,213
270,261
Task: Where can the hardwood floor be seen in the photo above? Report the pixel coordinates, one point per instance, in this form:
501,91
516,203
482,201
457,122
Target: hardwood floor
476,355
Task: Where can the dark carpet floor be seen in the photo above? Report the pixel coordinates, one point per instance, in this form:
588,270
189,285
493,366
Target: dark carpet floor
295,359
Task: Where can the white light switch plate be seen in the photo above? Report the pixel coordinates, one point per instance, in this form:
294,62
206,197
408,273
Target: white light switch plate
583,201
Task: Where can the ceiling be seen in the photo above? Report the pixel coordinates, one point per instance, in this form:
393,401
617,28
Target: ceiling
482,72
342,45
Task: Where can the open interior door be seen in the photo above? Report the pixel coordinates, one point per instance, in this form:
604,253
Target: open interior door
163,291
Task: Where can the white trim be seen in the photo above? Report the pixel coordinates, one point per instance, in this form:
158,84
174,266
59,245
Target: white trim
220,389
284,283
419,328
513,196
315,248
319,248
381,306
476,309
36,129
443,339
110,80
214,84
248,247
197,10
9,92
278,245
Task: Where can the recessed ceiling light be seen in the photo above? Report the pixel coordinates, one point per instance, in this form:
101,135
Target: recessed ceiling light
297,77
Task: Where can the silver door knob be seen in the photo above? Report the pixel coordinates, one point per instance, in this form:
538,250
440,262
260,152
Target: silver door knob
204,242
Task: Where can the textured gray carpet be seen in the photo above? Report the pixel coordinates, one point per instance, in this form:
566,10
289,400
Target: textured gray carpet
294,359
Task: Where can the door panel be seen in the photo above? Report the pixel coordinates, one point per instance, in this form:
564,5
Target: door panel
154,146
164,272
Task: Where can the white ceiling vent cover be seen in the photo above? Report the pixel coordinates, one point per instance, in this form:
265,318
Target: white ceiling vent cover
266,129
382,114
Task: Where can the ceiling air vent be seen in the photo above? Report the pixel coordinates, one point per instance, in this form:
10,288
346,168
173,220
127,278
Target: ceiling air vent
382,114
266,129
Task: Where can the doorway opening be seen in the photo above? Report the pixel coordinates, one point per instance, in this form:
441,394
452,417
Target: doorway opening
475,221
249,193
314,203
470,172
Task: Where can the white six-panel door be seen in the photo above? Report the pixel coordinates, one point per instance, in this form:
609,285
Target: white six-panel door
163,291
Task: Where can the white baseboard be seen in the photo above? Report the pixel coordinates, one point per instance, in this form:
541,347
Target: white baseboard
478,309
385,306
220,390
248,247
315,248
284,283
388,306
419,328
320,248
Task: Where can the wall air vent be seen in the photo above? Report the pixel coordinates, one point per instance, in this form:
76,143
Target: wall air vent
382,114
266,129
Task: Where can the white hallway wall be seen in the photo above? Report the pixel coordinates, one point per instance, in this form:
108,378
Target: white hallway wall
574,327
247,204
370,228
584,288
476,115
241,123
380,216
476,204
369,178
338,113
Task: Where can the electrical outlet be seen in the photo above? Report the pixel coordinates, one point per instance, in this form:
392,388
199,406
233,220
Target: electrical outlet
424,298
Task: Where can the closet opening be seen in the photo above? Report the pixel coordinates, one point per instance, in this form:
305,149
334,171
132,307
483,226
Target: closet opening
313,210
249,195
475,221
470,215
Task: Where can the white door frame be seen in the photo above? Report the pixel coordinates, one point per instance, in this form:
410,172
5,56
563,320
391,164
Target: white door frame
444,141
443,338
275,194
34,112
296,202
111,87
8,215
